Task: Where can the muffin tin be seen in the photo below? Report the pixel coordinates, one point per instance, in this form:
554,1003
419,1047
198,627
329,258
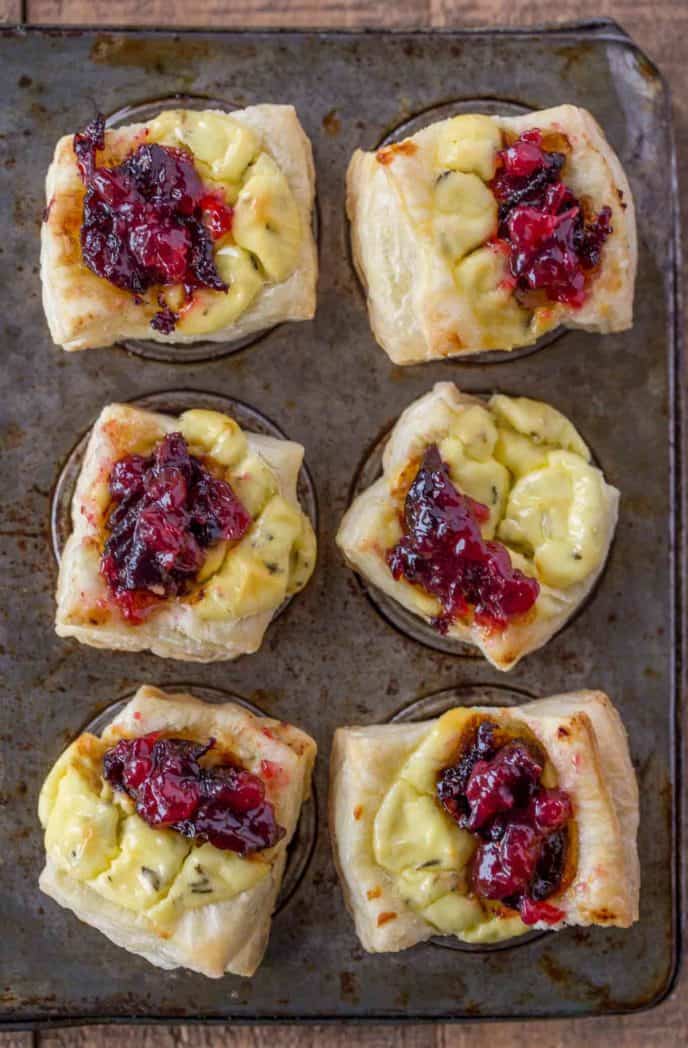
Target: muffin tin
332,657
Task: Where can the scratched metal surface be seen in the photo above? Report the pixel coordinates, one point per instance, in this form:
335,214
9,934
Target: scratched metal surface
331,658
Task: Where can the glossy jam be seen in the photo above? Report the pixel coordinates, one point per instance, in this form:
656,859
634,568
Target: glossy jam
553,245
495,792
222,804
167,511
149,222
443,551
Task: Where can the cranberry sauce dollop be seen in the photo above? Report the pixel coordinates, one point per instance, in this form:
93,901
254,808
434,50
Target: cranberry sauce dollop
552,243
167,511
443,551
223,804
149,221
494,791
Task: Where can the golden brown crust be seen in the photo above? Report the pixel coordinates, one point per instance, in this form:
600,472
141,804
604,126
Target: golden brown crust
414,308
426,421
229,936
175,629
86,311
584,739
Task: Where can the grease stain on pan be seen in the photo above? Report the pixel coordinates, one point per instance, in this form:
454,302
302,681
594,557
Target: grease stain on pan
575,984
153,55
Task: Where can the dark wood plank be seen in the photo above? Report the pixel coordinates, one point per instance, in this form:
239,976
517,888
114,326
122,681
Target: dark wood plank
10,11
240,1037
17,1040
241,13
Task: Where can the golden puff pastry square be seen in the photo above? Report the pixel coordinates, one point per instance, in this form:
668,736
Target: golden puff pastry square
224,608
176,900
407,867
257,161
439,265
541,499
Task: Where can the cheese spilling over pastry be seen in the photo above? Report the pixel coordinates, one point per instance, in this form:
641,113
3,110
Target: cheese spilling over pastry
169,834
469,143
222,148
93,834
212,310
483,279
266,219
543,499
423,849
265,239
276,557
465,213
526,463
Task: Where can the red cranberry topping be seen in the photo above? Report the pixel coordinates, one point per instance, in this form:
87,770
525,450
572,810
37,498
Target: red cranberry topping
217,215
493,784
534,912
86,143
495,792
224,804
149,221
443,551
165,321
168,509
552,244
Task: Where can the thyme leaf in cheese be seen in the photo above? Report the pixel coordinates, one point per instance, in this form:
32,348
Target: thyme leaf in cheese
151,871
266,219
424,851
558,514
207,876
540,422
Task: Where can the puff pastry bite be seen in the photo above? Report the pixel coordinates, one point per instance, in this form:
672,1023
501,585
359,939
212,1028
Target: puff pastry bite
489,521
486,823
187,536
169,832
192,226
485,232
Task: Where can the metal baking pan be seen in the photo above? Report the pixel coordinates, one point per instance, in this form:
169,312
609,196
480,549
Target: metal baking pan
332,657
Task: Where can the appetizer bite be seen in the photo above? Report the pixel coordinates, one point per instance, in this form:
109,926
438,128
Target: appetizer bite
187,536
486,823
193,226
489,521
169,832
485,232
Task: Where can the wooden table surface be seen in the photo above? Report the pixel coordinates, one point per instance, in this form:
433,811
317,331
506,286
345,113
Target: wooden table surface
661,28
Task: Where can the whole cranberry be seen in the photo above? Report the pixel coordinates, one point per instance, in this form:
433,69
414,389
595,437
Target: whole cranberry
506,867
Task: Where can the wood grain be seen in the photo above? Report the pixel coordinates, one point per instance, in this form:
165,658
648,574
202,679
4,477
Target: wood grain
661,27
18,1040
10,11
242,13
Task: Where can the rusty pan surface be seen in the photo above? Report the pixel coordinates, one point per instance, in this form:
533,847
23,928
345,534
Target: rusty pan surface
332,658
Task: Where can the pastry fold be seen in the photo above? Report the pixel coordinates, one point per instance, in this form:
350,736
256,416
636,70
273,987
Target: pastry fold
84,310
585,741
495,464
177,627
225,936
418,309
